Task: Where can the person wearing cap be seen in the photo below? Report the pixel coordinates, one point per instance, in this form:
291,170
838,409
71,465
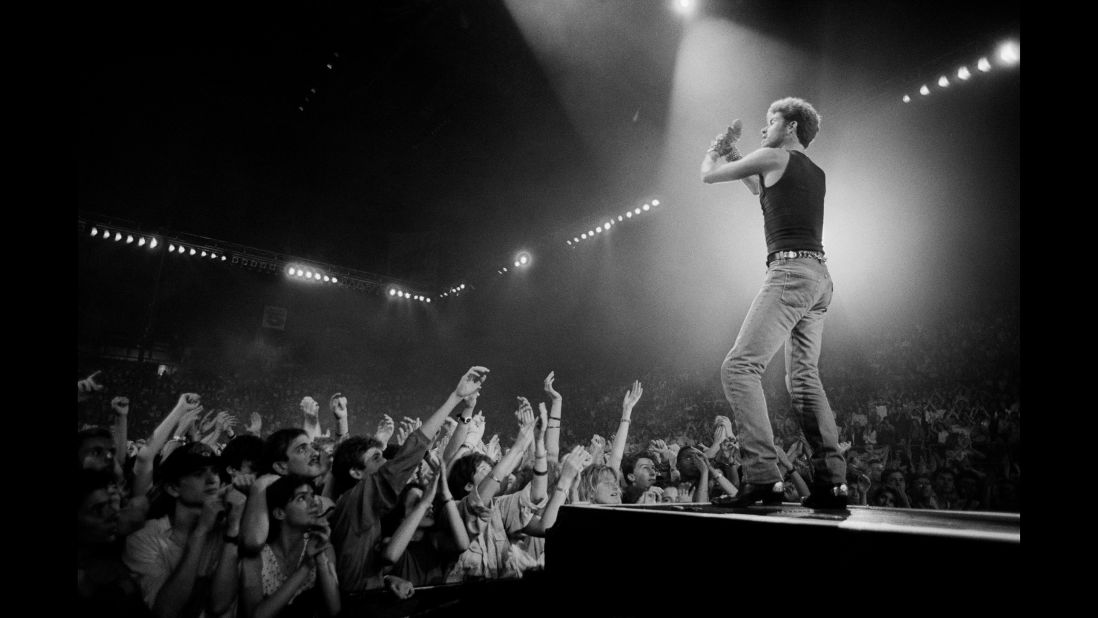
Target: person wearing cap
789,309
175,557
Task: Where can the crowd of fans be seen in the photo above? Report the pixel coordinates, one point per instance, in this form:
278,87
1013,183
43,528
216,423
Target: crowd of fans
221,494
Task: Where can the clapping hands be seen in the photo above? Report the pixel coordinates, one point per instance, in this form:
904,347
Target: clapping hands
385,429
548,385
471,382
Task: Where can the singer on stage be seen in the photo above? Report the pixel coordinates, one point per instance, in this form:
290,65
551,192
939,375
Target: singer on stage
790,307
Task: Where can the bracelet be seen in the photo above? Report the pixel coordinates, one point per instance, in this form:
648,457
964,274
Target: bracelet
465,420
541,472
233,540
450,499
493,477
554,418
625,420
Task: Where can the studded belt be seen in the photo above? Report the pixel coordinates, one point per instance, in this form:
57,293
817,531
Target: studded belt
788,255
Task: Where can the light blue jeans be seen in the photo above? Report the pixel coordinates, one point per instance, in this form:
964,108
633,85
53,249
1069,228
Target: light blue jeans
790,308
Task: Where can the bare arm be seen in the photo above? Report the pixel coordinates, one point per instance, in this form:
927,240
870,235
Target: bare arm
571,467
180,585
453,447
632,396
490,484
120,406
552,433
189,403
755,164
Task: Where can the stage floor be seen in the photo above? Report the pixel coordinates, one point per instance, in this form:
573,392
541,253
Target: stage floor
984,525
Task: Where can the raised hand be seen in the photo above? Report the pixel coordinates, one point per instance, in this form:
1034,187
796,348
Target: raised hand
338,405
385,429
574,463
187,421
632,396
651,495
471,382
187,402
548,385
87,386
256,426
120,406
310,407
844,447
493,450
407,426
660,448
525,415
597,442
475,431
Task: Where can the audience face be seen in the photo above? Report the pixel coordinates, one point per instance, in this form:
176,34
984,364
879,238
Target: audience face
97,518
644,473
896,481
944,484
372,460
302,458
96,453
193,488
670,494
607,492
302,510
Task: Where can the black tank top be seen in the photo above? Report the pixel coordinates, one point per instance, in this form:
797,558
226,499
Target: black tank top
793,209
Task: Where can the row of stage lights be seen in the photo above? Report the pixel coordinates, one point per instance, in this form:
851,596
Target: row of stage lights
308,274
1009,55
142,241
152,243
399,293
605,227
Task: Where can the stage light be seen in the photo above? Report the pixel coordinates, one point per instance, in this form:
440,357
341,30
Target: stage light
685,7
462,286
117,236
608,224
629,215
171,248
516,264
327,278
636,211
583,236
334,280
193,251
907,99
392,292
524,259
646,207
598,230
983,65
620,218
95,231
428,300
924,90
962,73
213,256
590,232
943,82
203,254
141,243
568,242
1009,52
129,238
222,258
153,243
504,269
655,202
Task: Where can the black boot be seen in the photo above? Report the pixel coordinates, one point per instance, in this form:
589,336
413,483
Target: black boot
767,494
828,497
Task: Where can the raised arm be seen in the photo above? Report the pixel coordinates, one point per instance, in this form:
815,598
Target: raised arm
189,403
540,482
470,383
457,440
120,407
490,484
338,405
632,396
724,146
310,411
570,469
552,433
